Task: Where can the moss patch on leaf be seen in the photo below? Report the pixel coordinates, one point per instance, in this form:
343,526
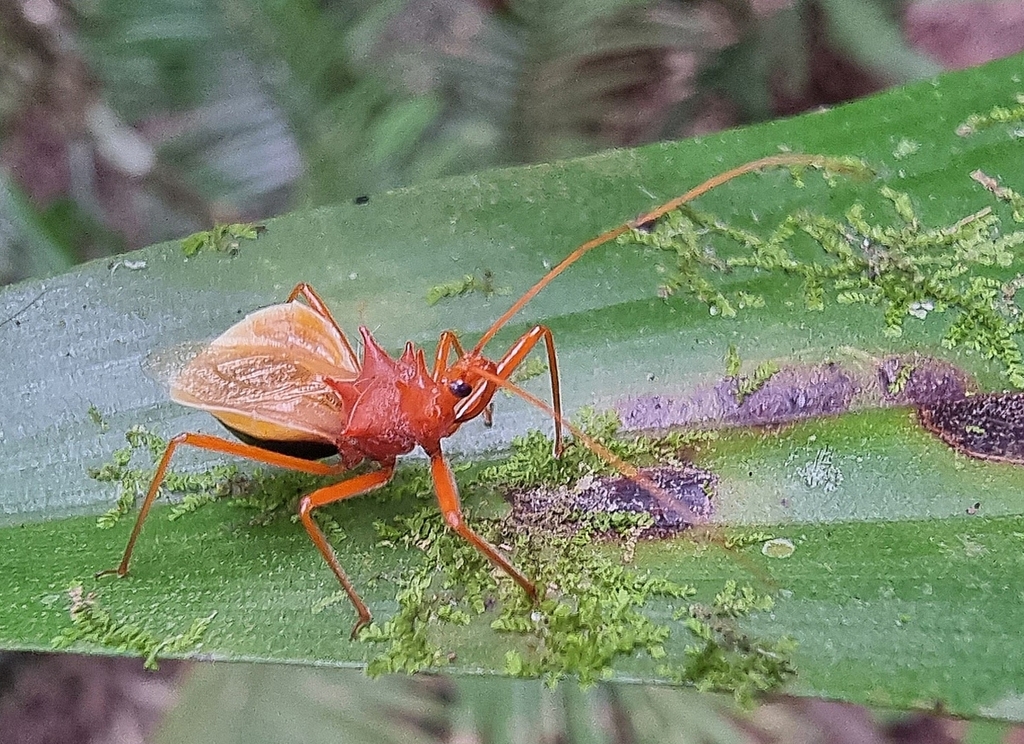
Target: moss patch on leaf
531,465
904,268
92,624
725,660
224,238
594,610
133,477
484,284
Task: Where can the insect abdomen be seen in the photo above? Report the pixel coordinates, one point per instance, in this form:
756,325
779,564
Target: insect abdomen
306,450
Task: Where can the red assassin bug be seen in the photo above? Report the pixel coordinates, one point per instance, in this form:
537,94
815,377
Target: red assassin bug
287,383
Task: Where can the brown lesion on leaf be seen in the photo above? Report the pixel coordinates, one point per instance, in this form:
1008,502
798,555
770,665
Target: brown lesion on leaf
988,426
797,392
621,506
919,381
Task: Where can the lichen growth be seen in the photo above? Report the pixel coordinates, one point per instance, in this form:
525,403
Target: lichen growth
778,547
225,238
905,148
90,623
900,268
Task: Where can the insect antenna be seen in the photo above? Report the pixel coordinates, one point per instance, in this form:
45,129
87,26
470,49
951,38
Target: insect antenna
819,161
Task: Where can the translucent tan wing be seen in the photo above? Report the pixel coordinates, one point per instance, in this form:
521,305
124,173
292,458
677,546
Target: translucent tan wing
264,375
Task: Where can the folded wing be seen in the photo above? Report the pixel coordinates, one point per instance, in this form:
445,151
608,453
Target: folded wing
264,376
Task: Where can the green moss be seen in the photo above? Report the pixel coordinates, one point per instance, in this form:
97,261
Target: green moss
221,238
741,538
903,268
133,478
899,383
724,659
529,369
410,648
92,624
593,611
468,283
748,385
97,418
532,465
745,300
733,363
994,116
592,615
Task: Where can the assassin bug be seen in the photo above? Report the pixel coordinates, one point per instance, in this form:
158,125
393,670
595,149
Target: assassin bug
287,383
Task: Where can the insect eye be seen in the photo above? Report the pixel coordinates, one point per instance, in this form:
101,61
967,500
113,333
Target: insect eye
460,388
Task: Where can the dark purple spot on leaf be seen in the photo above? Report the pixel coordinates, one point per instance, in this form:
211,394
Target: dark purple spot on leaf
674,497
989,426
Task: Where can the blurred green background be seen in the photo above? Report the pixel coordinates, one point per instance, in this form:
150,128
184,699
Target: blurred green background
123,123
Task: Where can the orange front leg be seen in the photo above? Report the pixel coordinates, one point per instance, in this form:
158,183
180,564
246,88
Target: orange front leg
474,404
448,500
445,345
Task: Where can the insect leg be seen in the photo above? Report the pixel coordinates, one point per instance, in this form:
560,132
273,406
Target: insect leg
507,365
317,305
328,495
448,500
213,444
445,345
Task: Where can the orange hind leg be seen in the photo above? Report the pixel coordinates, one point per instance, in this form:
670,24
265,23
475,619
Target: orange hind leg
224,446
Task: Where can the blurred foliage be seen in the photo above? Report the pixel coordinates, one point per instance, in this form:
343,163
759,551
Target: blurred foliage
124,123
429,709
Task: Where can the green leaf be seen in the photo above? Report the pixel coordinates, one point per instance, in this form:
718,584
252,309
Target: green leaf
902,585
